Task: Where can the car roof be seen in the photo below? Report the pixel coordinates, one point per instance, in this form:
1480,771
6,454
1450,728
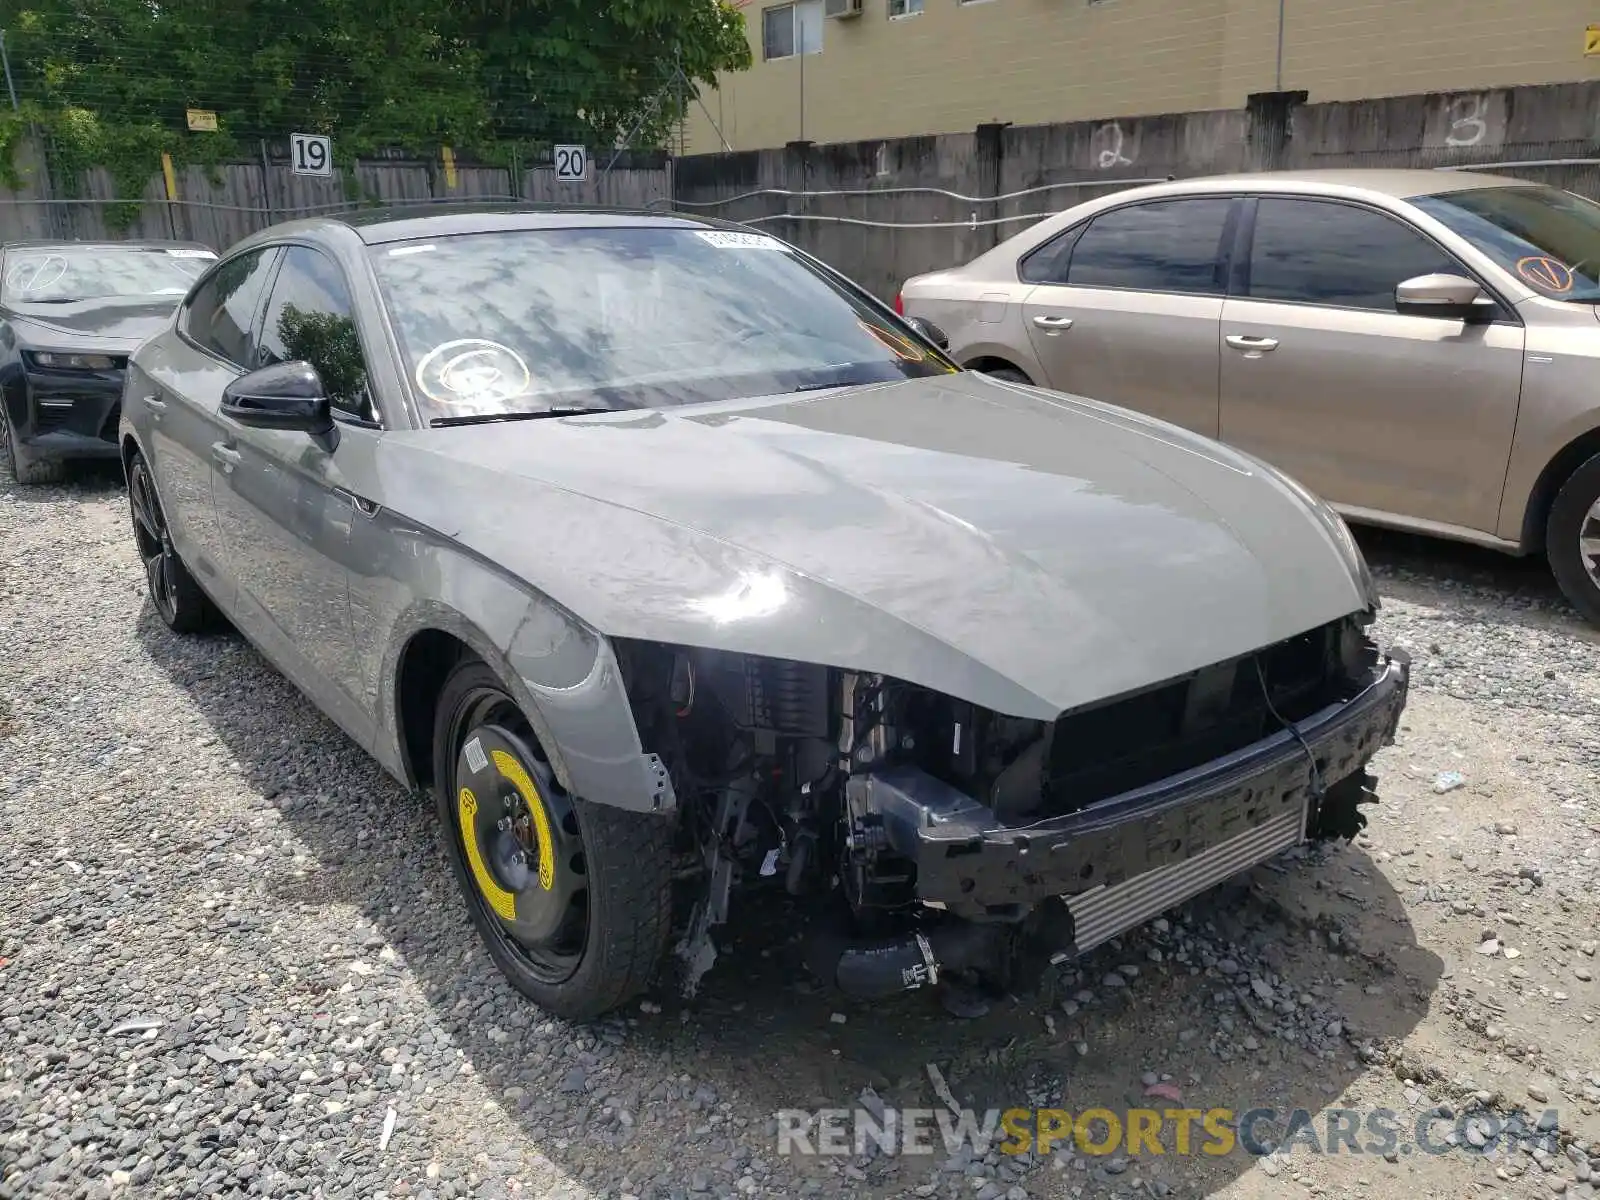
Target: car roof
1400,183
375,226
103,244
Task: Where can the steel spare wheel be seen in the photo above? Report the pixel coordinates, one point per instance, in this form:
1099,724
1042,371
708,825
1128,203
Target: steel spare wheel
523,850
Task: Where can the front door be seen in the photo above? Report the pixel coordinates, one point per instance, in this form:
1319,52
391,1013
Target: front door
284,503
1375,410
1127,312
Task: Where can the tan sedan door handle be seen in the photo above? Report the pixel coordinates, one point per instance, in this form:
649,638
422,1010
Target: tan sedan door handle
1044,322
1243,341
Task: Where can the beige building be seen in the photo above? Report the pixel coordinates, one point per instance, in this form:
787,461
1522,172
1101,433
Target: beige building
849,70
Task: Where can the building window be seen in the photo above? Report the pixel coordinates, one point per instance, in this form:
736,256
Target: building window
791,29
904,8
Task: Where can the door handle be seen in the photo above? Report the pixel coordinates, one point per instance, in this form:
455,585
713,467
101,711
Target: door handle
367,508
156,405
1048,322
226,455
1243,341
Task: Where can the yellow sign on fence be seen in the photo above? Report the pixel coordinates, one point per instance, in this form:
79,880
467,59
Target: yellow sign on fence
449,158
202,120
1591,42
169,176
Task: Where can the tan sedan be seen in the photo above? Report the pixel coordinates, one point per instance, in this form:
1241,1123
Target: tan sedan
1421,348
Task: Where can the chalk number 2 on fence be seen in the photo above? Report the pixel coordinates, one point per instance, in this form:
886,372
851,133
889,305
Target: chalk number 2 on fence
572,164
310,154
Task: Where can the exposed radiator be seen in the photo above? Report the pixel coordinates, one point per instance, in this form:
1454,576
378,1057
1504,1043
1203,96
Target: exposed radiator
1102,914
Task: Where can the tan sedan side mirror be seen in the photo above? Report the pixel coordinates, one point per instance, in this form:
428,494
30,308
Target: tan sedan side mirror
1449,296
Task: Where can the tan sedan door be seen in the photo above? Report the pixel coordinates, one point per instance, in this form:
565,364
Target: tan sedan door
1128,308
1372,409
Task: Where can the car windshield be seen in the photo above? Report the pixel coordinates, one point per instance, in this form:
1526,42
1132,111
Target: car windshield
59,275
1547,238
525,322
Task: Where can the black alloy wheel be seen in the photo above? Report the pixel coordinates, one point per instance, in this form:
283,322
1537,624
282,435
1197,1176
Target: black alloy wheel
178,600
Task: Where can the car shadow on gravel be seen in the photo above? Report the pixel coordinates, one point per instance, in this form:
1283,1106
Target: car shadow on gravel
1503,589
1271,993
88,480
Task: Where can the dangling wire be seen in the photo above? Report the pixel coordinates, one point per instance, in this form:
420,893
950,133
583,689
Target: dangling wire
1318,788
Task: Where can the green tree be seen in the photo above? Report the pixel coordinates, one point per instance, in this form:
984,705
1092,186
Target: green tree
408,74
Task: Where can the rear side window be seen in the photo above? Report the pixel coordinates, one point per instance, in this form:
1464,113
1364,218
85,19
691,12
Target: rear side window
1163,246
219,315
1320,252
1048,264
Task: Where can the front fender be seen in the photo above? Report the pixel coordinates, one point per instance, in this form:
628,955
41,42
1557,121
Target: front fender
563,675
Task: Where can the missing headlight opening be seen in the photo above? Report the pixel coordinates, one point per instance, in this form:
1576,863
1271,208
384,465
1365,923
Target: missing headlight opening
934,843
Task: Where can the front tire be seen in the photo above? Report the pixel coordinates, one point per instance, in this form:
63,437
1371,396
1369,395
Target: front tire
177,598
571,898
1572,539
28,470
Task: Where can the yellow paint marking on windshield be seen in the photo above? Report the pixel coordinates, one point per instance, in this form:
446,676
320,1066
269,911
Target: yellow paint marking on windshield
512,770
502,901
899,346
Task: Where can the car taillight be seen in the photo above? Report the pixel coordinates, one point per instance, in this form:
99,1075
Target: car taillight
899,304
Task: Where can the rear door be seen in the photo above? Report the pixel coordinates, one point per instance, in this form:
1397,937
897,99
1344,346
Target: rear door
1373,409
284,504
181,388
1128,307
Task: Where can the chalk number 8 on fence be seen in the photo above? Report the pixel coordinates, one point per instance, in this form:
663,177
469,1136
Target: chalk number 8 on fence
310,154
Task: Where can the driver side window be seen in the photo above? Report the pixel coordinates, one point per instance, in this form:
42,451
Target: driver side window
311,318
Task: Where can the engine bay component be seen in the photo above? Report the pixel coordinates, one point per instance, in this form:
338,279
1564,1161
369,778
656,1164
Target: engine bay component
961,843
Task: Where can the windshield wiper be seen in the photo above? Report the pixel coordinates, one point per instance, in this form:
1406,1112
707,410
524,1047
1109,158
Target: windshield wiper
555,410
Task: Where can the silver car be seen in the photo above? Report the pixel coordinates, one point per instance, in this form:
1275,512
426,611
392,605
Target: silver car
661,554
1419,348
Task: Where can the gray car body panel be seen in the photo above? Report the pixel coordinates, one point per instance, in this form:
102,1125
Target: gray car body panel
1025,551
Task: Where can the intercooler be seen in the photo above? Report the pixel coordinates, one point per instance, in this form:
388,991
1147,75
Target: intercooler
1103,913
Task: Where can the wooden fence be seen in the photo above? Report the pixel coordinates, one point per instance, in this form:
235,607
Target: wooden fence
219,206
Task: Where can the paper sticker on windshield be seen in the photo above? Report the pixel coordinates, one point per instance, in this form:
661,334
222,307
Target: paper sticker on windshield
185,252
727,239
1546,274
471,374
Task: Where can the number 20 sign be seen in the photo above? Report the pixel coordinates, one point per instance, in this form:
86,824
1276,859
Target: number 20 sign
310,154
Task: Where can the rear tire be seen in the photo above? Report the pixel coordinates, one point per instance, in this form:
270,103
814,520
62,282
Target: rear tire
1010,375
26,469
178,600
1572,539
603,919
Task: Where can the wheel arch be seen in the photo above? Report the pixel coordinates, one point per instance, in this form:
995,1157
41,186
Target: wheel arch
563,675
1556,472
994,362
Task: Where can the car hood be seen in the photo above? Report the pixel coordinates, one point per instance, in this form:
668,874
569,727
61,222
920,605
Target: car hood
111,319
1024,550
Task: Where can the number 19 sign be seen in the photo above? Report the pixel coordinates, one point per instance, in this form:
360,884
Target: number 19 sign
310,154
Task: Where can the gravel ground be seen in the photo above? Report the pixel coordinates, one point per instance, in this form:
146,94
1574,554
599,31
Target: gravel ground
232,961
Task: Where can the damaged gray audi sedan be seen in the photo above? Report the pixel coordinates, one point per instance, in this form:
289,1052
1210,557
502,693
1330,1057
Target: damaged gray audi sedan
676,567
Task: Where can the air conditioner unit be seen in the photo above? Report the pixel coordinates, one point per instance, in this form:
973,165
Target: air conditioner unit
841,8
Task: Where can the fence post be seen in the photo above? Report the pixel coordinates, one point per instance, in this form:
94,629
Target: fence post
1269,125
797,178
989,160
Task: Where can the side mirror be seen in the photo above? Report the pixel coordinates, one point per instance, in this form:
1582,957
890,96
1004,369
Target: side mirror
287,395
1448,296
930,331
